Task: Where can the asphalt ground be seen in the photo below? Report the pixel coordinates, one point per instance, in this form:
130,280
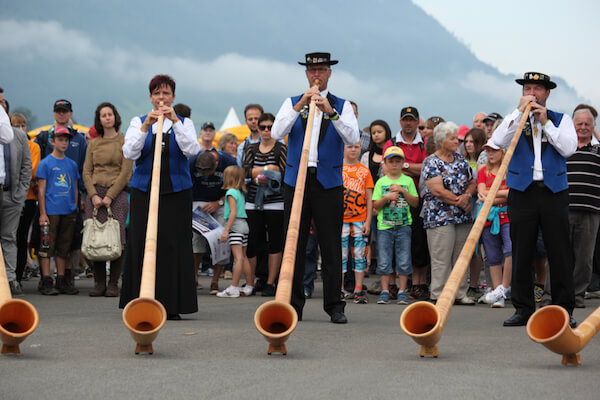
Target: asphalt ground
82,350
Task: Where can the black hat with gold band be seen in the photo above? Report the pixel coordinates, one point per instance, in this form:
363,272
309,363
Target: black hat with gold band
318,59
536,77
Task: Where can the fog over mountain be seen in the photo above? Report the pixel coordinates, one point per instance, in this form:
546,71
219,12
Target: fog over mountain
230,53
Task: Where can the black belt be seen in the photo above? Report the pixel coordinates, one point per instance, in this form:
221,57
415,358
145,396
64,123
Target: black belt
538,184
311,170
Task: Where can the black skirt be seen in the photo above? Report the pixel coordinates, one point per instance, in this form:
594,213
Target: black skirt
175,282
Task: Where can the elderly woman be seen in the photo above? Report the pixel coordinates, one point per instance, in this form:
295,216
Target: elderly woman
105,176
228,143
175,283
446,207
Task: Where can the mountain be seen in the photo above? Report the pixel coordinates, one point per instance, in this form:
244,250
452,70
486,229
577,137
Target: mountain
230,53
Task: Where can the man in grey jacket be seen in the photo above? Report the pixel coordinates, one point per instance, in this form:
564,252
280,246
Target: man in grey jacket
17,165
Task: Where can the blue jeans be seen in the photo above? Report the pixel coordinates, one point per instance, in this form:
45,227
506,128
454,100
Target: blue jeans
390,242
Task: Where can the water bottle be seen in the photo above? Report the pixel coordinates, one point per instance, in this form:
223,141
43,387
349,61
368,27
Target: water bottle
45,237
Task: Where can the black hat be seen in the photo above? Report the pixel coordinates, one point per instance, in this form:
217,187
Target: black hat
207,125
317,59
536,77
492,117
205,164
412,111
62,104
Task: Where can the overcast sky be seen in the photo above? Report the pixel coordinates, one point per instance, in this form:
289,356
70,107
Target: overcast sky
562,38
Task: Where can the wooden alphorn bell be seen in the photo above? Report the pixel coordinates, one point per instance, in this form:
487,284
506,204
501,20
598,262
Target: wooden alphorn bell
425,322
18,318
145,316
277,319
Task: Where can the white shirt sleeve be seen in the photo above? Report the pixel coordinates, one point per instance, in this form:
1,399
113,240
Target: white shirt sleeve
284,120
347,125
6,132
507,129
134,140
563,137
185,136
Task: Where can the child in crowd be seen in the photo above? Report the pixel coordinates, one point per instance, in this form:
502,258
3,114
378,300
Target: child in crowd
236,230
358,208
392,196
57,193
496,232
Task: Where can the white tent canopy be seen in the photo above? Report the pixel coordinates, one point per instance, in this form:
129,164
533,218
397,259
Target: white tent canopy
231,120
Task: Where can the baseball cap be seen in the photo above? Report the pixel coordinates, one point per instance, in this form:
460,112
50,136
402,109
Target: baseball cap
491,145
412,111
492,117
62,104
393,151
61,131
205,163
462,132
207,125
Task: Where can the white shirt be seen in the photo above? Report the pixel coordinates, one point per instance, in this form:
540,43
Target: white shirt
400,139
6,136
346,126
185,136
563,138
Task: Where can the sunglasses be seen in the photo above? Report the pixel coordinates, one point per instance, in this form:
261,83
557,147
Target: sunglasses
435,120
265,127
421,127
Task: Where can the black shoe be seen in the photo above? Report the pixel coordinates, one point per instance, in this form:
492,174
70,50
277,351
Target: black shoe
64,286
174,317
572,322
268,290
516,320
259,285
46,287
339,318
307,294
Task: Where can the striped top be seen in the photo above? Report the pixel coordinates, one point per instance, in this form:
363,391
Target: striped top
583,172
255,158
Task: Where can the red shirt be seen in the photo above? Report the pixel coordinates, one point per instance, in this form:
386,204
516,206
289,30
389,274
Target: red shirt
483,177
413,153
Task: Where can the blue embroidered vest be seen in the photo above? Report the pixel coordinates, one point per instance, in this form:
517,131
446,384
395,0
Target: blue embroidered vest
520,168
178,166
330,149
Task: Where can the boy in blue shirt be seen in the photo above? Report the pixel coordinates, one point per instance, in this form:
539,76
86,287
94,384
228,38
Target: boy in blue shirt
57,183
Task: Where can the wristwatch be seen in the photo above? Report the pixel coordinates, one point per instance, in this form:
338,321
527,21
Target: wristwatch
221,202
406,165
335,115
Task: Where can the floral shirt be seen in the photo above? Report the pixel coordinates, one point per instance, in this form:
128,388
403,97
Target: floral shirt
456,176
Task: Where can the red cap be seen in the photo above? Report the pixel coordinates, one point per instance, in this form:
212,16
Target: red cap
462,132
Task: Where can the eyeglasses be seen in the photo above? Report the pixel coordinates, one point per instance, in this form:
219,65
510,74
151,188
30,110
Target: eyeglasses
421,127
265,127
435,120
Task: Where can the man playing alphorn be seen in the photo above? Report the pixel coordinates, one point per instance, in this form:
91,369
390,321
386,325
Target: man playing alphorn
334,125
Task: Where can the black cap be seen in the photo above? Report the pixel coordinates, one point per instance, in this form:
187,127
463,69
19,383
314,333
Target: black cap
205,163
318,59
412,111
492,117
207,125
536,77
62,104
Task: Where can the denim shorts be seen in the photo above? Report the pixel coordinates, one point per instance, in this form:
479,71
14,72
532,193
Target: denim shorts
359,246
494,244
390,242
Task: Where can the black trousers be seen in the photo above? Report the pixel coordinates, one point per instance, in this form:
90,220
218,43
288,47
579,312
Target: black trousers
326,208
537,207
29,211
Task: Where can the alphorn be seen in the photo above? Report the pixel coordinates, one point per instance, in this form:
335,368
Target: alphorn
18,318
425,322
277,319
550,327
144,316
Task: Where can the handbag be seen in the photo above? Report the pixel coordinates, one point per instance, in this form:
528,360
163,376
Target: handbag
101,241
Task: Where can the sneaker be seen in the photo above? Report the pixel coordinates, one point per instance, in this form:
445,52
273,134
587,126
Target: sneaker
481,300
474,293
46,287
64,286
230,292
538,292
402,298
247,291
465,301
268,290
592,294
495,295
394,292
499,303
227,275
15,289
307,294
347,295
360,298
507,293
384,298
375,288
214,288
424,293
88,272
